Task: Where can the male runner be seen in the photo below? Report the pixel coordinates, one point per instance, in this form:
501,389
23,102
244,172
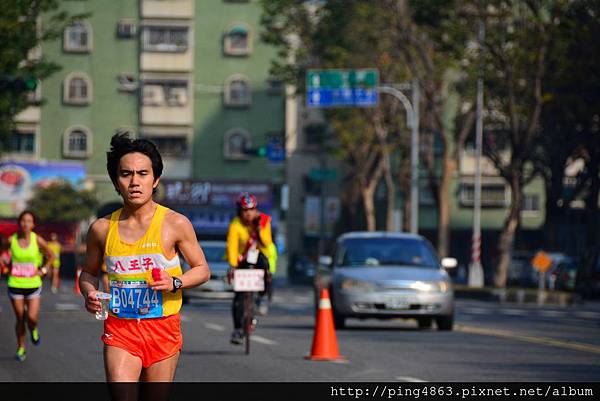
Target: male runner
139,245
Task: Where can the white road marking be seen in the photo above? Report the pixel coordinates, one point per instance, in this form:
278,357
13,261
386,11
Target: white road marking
588,314
277,298
262,340
552,313
476,311
410,379
292,307
67,306
513,312
213,326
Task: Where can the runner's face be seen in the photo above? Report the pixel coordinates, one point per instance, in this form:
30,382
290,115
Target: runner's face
135,178
26,223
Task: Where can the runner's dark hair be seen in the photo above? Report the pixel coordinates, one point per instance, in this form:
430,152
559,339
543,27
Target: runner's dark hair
24,212
121,144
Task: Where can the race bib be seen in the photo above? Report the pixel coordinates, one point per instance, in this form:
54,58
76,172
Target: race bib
248,280
134,300
23,270
252,256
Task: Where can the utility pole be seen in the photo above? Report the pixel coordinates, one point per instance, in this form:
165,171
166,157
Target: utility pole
475,269
412,118
322,167
414,160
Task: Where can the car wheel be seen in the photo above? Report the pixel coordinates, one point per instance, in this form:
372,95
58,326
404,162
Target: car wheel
445,323
424,322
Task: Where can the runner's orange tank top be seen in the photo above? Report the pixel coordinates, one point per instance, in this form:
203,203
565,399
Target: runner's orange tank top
130,270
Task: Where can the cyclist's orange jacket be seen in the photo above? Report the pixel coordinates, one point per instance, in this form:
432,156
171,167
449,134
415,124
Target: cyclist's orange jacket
238,235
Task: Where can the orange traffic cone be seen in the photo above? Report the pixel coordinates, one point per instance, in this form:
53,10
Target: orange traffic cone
76,290
324,346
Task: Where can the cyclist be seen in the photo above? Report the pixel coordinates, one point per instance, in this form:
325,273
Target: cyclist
25,279
139,243
54,245
249,242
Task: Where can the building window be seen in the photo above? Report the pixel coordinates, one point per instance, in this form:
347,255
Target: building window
127,82
426,197
235,142
77,142
171,145
78,37
314,134
165,39
126,29
531,204
22,143
274,87
77,89
236,41
172,93
492,194
237,91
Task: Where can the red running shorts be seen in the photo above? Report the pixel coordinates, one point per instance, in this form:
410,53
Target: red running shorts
152,340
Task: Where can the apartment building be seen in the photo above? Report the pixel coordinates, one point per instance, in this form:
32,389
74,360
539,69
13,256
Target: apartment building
192,76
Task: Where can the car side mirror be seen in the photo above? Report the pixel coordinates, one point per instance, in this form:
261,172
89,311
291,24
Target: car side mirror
449,263
325,261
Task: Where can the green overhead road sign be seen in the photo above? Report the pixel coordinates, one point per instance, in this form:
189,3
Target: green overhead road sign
340,79
330,88
316,174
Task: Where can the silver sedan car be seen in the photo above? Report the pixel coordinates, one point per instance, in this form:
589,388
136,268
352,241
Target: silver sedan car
217,286
388,275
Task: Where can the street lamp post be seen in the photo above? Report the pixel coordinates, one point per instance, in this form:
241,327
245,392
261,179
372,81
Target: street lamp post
475,270
412,118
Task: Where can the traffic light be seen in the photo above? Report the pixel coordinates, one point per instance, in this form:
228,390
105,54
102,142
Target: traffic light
14,84
261,151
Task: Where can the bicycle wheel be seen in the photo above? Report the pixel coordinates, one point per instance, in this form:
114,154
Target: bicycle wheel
248,316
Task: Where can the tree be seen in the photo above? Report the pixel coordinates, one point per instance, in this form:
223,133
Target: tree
571,123
341,34
432,40
518,39
22,32
61,202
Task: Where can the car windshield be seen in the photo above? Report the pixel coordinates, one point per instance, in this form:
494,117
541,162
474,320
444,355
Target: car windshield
385,252
214,253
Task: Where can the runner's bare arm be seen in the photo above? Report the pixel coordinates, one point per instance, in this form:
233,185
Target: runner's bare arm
88,281
43,245
178,233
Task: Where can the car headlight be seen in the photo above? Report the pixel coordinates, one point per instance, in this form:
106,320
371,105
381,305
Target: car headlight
350,284
430,286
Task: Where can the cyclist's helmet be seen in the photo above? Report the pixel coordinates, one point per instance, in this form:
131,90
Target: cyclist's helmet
247,201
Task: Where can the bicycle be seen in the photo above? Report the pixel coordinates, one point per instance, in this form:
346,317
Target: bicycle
250,281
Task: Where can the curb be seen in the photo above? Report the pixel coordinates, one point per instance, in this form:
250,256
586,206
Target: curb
518,296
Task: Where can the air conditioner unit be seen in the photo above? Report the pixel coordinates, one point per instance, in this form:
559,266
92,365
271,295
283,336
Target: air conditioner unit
127,82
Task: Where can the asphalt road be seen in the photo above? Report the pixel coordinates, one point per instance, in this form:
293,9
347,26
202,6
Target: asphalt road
491,343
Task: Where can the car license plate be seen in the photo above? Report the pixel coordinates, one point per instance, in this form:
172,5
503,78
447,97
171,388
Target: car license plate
398,302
